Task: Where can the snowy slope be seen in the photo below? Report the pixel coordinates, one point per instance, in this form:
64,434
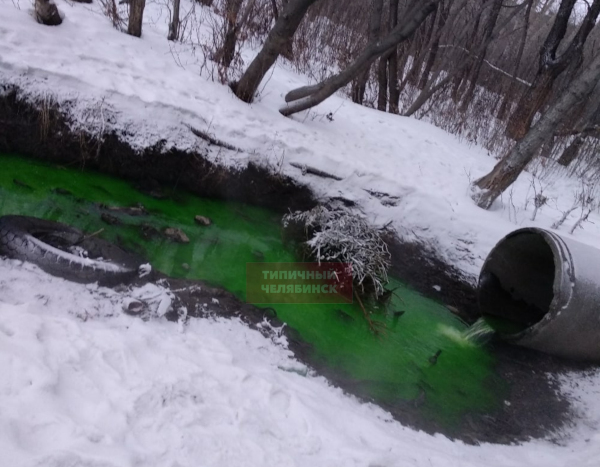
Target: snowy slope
85,385
154,89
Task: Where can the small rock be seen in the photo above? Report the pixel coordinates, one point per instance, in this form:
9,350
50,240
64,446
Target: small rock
148,232
202,220
177,235
109,219
186,266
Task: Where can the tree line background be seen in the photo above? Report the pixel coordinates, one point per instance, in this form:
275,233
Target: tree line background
507,74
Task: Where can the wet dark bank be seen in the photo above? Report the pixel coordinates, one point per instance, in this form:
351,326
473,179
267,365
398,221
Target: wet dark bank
534,409
40,129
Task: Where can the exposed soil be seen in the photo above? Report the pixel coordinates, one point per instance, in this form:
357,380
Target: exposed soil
42,132
534,409
415,265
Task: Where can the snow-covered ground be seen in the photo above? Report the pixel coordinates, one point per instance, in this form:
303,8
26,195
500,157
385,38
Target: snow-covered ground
84,385
153,88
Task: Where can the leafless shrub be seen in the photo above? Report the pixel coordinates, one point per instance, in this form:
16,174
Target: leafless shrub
539,199
338,235
586,200
116,14
565,215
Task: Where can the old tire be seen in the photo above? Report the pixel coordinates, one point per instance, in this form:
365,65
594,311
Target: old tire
66,252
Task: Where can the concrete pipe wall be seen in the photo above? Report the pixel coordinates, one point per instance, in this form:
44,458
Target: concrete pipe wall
542,291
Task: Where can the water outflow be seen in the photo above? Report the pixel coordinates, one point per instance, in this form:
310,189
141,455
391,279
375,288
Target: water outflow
480,332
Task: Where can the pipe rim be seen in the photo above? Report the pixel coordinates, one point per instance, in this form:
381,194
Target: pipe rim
563,271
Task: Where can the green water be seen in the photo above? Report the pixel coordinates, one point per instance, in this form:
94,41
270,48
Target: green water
396,367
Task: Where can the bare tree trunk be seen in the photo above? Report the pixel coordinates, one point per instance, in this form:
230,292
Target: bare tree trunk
435,45
283,31
508,94
571,151
394,96
288,49
309,96
382,81
590,127
457,74
551,66
47,13
492,185
427,93
360,83
487,39
226,53
422,40
174,24
136,16
461,76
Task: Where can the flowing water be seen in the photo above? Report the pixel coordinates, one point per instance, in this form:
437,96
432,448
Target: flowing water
424,359
480,332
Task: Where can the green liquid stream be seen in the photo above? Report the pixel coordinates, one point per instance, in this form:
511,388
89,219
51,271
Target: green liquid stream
395,368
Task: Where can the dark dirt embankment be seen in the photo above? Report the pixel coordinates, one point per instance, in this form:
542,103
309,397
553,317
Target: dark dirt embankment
42,131
534,408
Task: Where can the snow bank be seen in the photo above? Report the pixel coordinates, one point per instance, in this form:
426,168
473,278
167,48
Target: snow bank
85,385
150,89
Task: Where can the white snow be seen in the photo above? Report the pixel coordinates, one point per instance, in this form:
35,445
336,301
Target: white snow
150,89
83,384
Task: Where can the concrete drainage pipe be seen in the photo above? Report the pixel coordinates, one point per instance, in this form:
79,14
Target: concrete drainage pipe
542,291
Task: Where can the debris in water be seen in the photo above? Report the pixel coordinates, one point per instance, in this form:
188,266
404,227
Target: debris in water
61,191
136,210
22,184
148,231
434,358
177,235
202,220
109,219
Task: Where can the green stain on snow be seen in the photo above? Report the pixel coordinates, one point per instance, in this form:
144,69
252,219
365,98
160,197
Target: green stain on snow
397,368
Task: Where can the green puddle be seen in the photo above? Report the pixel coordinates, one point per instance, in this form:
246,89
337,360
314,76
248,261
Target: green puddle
395,368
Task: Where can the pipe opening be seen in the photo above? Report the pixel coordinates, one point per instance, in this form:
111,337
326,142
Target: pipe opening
516,285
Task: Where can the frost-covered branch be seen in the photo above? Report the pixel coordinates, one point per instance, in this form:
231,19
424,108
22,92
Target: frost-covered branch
339,235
